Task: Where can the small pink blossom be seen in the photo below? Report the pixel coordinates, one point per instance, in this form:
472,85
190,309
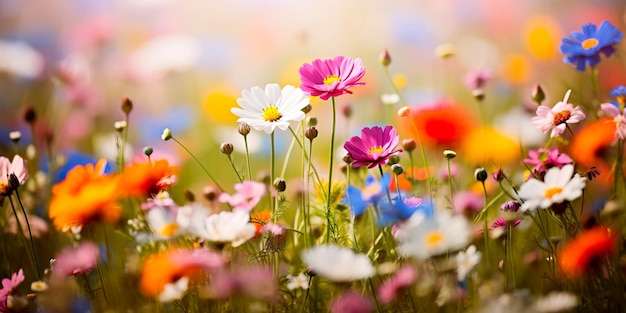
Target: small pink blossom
501,222
161,200
618,118
374,147
467,202
38,226
403,278
8,288
17,167
73,261
203,258
558,117
477,79
351,302
545,159
443,173
247,196
257,282
332,77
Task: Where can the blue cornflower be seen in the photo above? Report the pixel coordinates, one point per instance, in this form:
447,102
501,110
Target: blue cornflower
359,198
401,210
584,48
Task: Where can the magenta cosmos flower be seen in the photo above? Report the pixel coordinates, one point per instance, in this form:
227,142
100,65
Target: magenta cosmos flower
374,147
332,77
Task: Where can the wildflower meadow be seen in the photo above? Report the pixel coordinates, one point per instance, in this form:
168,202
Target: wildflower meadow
350,181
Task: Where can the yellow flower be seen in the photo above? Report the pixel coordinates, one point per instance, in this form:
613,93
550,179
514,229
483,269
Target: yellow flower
485,145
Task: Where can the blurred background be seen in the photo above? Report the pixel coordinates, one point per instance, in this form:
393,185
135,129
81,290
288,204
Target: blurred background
184,64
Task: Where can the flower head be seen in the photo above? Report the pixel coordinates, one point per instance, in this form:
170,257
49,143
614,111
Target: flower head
17,167
84,196
584,251
477,79
147,178
300,281
466,260
338,264
166,275
558,186
584,48
618,118
72,261
359,198
331,77
591,144
8,288
403,278
227,227
545,159
351,302
374,147
266,110
247,195
558,117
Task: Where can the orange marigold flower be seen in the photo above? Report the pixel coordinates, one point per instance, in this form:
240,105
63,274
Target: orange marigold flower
591,145
442,123
589,247
86,195
166,268
146,179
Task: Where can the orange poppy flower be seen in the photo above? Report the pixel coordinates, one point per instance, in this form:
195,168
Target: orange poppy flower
593,245
146,179
259,219
403,182
442,123
86,195
591,144
165,268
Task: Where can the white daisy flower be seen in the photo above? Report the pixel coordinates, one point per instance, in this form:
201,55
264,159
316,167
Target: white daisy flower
558,117
175,290
422,237
163,222
233,227
300,281
389,98
557,186
465,261
266,110
557,301
338,264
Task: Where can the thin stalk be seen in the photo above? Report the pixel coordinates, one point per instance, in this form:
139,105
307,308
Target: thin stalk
424,160
395,89
272,177
486,228
245,141
330,168
450,181
124,141
307,158
22,236
232,164
369,280
206,171
30,234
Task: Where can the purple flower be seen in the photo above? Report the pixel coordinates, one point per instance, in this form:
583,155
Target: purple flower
501,222
247,196
585,48
403,278
331,77
374,147
72,261
351,302
8,287
510,206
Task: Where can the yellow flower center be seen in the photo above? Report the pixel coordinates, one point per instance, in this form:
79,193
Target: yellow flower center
271,114
4,187
434,238
550,192
169,229
561,117
330,79
589,43
377,149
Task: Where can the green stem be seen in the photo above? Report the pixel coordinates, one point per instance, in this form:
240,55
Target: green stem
330,168
374,295
30,234
206,171
486,228
272,177
245,140
232,164
450,182
22,236
308,159
419,141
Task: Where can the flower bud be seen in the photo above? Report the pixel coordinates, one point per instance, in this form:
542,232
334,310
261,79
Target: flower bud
226,148
445,51
167,134
15,136
397,169
189,196
210,193
148,151
480,174
311,132
29,114
510,206
498,175
449,154
120,126
127,106
385,58
280,185
243,129
404,111
311,121
307,108
394,159
538,94
346,110
14,182
409,145
478,94
348,159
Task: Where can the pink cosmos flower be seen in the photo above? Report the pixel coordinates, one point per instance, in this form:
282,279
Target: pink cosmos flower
404,277
501,222
256,282
467,202
477,79
17,167
351,302
8,287
557,118
201,258
374,147
331,77
38,226
247,196
545,159
618,117
73,261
